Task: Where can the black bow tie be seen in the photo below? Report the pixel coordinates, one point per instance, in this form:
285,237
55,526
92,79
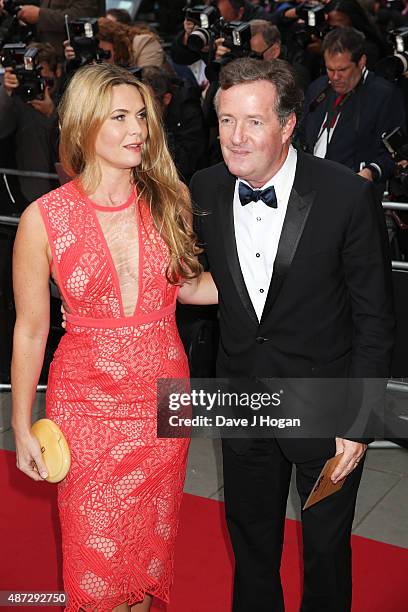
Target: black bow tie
247,195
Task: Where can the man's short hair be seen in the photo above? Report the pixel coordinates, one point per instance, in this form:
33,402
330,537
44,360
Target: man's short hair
270,32
279,73
341,40
46,53
237,4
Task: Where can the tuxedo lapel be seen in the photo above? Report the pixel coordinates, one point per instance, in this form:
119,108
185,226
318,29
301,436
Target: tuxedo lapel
295,219
226,211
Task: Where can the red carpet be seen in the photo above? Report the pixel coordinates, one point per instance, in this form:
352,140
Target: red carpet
31,559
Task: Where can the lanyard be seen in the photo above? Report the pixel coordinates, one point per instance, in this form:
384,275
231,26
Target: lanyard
332,113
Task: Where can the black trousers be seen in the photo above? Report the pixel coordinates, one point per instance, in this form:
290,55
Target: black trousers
256,486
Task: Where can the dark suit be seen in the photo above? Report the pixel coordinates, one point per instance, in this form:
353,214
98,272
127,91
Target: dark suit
374,108
328,313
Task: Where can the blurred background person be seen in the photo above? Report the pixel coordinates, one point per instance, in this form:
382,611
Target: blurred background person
32,126
113,38
146,46
147,49
349,13
266,42
229,10
123,45
183,120
347,111
118,14
49,18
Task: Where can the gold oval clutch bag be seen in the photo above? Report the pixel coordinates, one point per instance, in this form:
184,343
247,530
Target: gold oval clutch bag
54,448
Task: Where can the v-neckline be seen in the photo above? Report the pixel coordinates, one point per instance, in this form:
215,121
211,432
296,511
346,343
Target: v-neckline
93,207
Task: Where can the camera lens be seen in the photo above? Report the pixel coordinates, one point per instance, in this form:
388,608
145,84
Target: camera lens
198,39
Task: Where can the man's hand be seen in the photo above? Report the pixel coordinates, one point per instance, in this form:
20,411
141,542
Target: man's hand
46,106
220,50
353,452
366,173
10,81
69,52
29,13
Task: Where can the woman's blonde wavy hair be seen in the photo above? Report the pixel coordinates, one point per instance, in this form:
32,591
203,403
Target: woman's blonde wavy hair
86,104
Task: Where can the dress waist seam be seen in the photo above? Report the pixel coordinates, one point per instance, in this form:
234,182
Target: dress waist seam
137,319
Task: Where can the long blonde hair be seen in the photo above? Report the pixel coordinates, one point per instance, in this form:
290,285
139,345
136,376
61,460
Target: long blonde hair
85,106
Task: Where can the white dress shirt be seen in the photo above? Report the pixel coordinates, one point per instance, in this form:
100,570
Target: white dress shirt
326,131
257,231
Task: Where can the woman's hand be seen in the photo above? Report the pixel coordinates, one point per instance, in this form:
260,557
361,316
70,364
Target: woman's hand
64,316
29,457
200,291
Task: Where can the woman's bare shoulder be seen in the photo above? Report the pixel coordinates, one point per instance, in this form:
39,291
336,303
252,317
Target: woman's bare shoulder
31,224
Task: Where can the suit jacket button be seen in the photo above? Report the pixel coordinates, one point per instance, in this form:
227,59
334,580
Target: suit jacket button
260,340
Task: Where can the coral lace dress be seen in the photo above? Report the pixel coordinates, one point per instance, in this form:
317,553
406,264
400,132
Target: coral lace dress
119,503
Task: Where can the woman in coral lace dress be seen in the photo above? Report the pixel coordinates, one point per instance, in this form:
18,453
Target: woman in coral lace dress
117,242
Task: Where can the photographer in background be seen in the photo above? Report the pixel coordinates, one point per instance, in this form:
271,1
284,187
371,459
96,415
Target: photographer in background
146,46
120,15
110,43
228,10
349,13
49,18
33,124
122,45
347,112
182,117
266,42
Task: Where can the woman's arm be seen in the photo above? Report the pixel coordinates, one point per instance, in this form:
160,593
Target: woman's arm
32,299
200,291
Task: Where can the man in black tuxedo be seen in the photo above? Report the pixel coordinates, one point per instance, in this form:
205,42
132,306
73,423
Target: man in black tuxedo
304,282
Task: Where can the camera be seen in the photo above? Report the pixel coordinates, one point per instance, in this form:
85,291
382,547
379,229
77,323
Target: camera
11,29
314,23
237,37
24,62
396,144
394,66
202,15
82,34
207,18
11,7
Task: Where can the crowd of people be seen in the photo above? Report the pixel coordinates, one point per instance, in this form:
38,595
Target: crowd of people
340,59
250,104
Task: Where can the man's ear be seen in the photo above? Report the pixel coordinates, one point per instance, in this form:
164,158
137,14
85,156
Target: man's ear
362,61
58,71
167,98
275,50
288,128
